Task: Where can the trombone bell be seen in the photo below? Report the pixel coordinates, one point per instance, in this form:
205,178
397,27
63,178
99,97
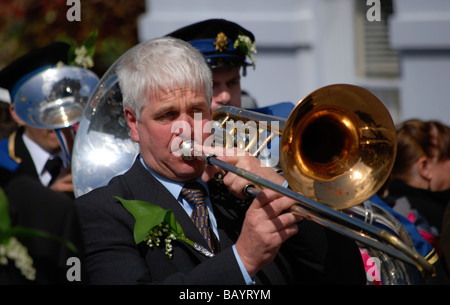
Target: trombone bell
338,146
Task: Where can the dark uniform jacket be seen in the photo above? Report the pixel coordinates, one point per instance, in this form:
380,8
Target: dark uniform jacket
15,160
35,206
315,255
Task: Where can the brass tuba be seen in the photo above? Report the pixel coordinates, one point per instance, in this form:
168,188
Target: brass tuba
55,99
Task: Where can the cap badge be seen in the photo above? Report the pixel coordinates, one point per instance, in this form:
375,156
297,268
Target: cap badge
221,42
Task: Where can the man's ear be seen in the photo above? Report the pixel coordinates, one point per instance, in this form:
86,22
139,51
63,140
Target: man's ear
424,168
133,123
14,115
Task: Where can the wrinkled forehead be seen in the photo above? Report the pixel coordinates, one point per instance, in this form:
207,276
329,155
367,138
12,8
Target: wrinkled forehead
175,92
178,99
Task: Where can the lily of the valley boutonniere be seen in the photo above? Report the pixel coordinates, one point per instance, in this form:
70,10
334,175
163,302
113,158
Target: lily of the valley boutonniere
10,246
83,55
247,46
154,223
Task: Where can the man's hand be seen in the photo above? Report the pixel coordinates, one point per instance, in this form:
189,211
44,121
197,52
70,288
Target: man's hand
63,182
235,183
264,230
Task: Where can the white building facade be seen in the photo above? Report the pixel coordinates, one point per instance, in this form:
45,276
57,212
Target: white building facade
398,49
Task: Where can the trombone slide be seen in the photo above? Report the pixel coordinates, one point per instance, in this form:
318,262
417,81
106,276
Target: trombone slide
317,212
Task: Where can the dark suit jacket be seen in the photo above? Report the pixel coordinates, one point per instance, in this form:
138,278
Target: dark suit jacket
9,168
35,206
315,255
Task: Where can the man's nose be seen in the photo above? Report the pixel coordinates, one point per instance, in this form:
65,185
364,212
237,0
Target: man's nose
222,97
187,122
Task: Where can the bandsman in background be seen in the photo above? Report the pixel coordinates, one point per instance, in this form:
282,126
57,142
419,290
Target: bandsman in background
34,169
229,51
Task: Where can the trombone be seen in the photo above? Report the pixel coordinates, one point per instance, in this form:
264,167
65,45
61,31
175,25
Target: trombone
327,180
334,154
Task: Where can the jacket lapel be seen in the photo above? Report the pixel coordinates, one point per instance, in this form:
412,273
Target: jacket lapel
147,188
229,214
26,165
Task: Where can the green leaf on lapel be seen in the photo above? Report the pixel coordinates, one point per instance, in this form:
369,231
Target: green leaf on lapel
173,224
148,216
153,221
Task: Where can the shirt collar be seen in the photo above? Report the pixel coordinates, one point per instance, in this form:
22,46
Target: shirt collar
174,187
38,154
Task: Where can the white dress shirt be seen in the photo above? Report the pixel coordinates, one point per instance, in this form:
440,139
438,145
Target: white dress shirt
40,157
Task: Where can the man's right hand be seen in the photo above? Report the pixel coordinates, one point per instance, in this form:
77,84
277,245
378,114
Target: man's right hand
63,183
264,230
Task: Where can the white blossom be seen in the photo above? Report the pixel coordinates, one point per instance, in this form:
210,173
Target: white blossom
82,59
17,252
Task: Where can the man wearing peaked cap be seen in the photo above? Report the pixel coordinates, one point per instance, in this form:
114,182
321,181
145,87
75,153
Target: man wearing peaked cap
216,39
34,61
47,93
227,47
27,149
33,202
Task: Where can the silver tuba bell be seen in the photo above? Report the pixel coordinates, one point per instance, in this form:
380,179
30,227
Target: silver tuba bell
102,147
55,99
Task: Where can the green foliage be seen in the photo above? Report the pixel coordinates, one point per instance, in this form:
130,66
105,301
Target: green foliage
7,230
11,248
89,50
149,216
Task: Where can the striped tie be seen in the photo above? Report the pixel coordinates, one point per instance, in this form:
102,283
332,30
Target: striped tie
194,193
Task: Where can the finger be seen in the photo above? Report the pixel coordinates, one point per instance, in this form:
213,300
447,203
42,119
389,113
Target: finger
253,165
275,207
226,154
285,220
265,197
288,232
211,171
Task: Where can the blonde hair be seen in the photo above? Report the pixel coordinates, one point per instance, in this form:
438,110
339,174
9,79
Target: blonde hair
415,139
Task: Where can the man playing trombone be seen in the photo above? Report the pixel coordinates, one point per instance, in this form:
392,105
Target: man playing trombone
34,171
244,240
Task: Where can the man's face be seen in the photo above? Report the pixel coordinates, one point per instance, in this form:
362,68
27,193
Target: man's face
226,87
45,138
156,131
440,175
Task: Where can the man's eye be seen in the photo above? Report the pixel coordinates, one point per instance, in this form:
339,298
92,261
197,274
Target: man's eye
198,110
170,115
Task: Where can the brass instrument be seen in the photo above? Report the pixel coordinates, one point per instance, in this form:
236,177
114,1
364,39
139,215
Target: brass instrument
337,149
102,147
327,179
55,99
